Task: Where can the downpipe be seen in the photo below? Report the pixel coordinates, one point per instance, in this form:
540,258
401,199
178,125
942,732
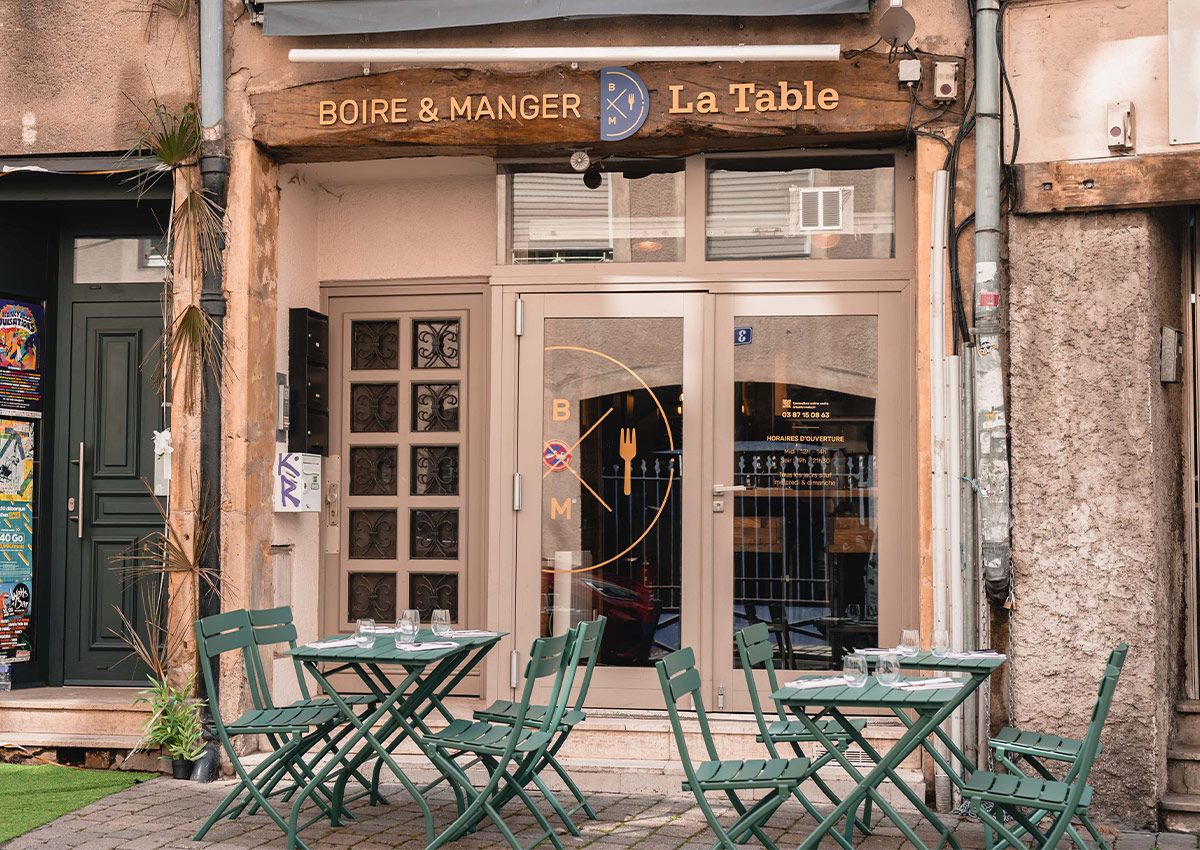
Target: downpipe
214,175
991,421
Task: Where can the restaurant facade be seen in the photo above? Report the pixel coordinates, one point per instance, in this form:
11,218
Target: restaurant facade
693,341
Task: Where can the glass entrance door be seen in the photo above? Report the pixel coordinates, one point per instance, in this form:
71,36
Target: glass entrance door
608,445
809,519
693,463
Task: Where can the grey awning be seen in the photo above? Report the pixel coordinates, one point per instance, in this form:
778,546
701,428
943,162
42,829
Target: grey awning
342,17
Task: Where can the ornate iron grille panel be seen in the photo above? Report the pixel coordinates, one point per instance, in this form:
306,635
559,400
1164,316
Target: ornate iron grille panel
435,344
372,595
373,534
374,408
373,471
430,591
435,470
435,407
374,345
433,535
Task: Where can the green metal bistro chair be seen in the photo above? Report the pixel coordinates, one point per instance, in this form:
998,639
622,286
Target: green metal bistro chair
754,647
589,635
272,627
294,730
1014,747
511,752
1030,801
781,777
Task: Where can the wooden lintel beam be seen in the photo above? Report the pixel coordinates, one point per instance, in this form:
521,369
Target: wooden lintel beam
1121,182
691,107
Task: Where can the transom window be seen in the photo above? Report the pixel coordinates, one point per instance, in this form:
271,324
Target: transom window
828,207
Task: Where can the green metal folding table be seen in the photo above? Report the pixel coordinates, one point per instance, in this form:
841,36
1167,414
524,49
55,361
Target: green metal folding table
931,707
429,677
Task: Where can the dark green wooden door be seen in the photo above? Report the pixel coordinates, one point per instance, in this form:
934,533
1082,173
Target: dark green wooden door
114,410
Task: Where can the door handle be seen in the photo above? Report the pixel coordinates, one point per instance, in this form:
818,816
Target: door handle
722,489
76,504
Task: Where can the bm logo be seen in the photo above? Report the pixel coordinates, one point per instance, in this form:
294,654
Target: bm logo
624,104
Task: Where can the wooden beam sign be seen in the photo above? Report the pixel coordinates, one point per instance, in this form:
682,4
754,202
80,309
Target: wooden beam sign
1119,182
659,107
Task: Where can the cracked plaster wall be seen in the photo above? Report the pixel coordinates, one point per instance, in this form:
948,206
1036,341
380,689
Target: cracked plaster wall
1096,490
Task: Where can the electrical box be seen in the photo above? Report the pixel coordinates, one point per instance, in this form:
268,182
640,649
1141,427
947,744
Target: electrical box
945,81
910,72
296,482
308,381
1120,126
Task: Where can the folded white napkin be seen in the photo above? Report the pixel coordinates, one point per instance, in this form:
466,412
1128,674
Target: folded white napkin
472,633
976,654
432,644
876,651
331,643
829,682
934,684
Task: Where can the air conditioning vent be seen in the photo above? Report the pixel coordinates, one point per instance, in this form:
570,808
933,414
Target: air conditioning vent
824,208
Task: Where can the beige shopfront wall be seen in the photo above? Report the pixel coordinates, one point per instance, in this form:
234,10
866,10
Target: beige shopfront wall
685,399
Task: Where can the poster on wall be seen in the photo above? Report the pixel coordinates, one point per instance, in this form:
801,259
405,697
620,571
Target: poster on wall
16,538
21,326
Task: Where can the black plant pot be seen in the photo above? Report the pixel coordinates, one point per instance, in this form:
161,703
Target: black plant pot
181,768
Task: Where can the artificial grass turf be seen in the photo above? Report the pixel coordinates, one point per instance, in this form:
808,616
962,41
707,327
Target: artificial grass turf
35,794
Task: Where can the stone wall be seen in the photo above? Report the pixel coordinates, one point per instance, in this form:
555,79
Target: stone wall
1097,464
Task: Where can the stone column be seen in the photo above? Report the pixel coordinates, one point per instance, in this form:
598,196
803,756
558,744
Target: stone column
252,219
1097,486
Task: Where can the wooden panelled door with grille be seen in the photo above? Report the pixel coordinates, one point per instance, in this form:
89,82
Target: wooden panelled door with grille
403,419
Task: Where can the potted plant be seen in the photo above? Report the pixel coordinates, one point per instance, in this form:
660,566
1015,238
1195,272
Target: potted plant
175,724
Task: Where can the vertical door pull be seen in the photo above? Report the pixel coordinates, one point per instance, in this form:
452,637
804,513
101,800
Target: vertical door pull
76,504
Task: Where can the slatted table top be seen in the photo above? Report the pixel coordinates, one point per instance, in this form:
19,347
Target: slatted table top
871,695
384,650
948,664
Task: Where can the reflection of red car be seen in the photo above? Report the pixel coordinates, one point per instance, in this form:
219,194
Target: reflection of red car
632,613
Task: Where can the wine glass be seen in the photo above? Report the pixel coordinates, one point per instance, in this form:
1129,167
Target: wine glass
407,628
888,672
364,632
941,643
854,670
440,622
910,642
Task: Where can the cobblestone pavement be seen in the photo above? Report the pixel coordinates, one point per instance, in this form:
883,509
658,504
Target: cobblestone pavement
164,813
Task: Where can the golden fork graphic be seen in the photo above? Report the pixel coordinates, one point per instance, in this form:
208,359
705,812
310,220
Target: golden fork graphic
628,453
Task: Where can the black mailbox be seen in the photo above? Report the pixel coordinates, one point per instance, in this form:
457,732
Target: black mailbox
308,378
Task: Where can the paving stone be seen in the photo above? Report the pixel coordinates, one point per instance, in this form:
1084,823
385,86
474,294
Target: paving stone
163,815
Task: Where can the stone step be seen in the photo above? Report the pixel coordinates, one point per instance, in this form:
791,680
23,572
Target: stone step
97,717
1183,769
1181,812
1187,723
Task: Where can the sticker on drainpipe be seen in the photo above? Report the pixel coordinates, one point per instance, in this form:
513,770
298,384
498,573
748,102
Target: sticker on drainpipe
984,272
989,299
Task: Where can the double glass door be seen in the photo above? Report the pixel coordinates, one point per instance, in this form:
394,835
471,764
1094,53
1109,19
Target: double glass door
693,463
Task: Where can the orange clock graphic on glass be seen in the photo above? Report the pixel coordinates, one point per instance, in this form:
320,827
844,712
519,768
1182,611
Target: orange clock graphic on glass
562,451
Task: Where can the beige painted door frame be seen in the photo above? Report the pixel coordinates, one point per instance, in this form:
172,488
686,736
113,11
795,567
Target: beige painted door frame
404,525
579,351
